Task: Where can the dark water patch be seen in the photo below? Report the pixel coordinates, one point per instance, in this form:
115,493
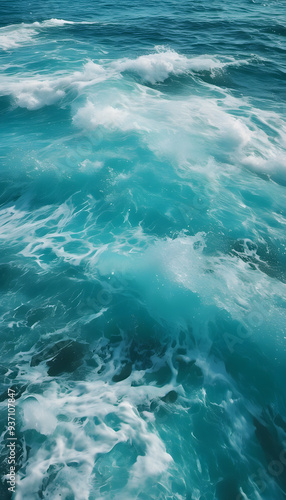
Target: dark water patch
276,29
113,33
189,374
63,357
268,437
113,333
141,355
4,493
5,104
68,359
9,275
36,315
49,352
170,397
273,449
228,489
124,373
252,78
235,344
139,326
10,373
161,376
219,77
280,422
47,122
153,222
141,352
240,366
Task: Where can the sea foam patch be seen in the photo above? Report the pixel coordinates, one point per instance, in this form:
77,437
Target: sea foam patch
163,63
36,92
15,36
179,129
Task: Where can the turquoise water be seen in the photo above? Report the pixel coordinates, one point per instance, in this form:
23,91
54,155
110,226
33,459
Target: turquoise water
143,277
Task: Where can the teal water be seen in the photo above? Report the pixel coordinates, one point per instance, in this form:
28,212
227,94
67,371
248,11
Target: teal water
142,271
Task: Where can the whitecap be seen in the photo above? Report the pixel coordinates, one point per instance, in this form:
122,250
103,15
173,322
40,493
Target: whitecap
17,35
12,37
35,92
163,63
155,67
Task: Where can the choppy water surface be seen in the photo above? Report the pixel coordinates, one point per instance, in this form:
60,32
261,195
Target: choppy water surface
142,271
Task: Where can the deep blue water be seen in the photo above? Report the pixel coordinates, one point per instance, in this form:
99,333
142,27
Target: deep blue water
142,264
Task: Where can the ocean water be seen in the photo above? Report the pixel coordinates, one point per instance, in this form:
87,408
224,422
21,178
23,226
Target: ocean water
142,264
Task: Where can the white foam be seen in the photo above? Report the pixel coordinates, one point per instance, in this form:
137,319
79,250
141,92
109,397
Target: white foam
224,282
35,92
38,415
175,129
13,37
110,117
155,67
79,454
17,35
71,442
53,22
88,165
195,131
49,23
155,460
273,166
162,64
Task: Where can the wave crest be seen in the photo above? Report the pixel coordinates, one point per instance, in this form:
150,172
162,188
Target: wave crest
157,67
